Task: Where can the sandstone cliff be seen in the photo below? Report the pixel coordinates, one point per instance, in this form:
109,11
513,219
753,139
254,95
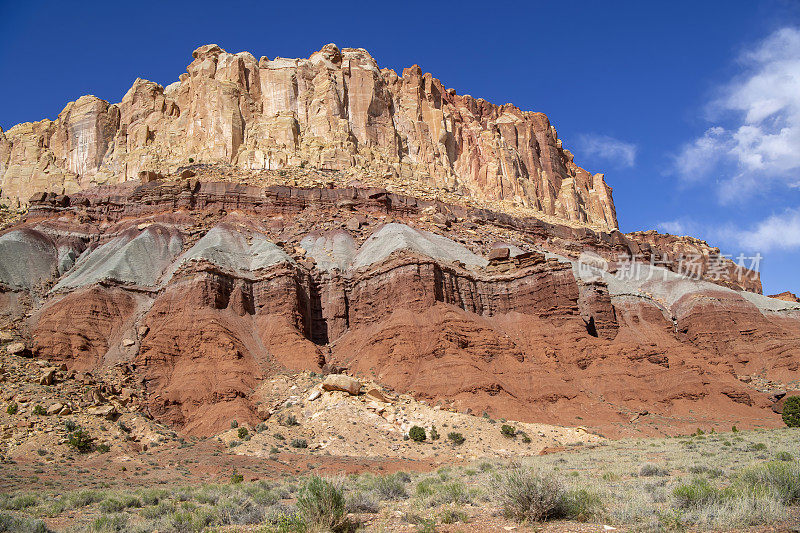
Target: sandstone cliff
336,110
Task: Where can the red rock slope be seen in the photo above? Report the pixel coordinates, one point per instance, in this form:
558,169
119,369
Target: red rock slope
205,289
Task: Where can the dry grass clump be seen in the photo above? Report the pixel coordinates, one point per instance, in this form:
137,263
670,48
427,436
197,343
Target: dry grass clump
321,504
527,496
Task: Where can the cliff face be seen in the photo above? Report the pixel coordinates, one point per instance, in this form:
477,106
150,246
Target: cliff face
209,289
336,110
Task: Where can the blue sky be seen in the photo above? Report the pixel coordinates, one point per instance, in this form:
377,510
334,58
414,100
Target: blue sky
691,109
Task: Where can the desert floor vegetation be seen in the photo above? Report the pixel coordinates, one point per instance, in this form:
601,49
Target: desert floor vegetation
705,481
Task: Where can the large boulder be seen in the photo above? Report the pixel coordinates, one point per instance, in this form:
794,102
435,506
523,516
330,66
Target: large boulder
341,382
777,407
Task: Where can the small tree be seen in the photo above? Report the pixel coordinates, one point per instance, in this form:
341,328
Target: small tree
508,431
456,438
417,434
80,441
791,411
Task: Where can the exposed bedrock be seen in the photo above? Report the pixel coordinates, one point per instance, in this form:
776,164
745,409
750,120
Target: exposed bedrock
85,328
170,201
336,110
206,290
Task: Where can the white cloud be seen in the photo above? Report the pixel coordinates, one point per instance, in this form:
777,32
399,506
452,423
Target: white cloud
617,152
777,232
677,227
757,139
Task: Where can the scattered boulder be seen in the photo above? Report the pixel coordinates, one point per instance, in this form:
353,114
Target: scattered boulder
16,348
48,376
341,382
442,219
353,224
375,406
128,342
55,409
314,395
105,411
499,254
377,395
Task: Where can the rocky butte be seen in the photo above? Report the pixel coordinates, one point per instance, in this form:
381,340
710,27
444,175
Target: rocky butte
262,217
336,110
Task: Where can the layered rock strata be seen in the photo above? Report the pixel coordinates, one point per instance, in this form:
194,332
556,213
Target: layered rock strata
207,289
335,111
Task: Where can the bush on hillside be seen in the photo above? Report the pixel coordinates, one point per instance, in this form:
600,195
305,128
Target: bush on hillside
417,434
791,412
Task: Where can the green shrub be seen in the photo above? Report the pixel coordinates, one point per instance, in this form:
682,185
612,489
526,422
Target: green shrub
525,438
321,503
109,524
791,411
417,433
85,497
299,443
650,469
111,505
508,431
452,516
70,425
456,438
758,447
192,520
290,420
582,505
236,477
780,477
362,502
234,424
696,494
39,410
80,441
391,487
191,160
434,434
242,433
20,502
784,456
21,524
451,492
525,496
12,408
